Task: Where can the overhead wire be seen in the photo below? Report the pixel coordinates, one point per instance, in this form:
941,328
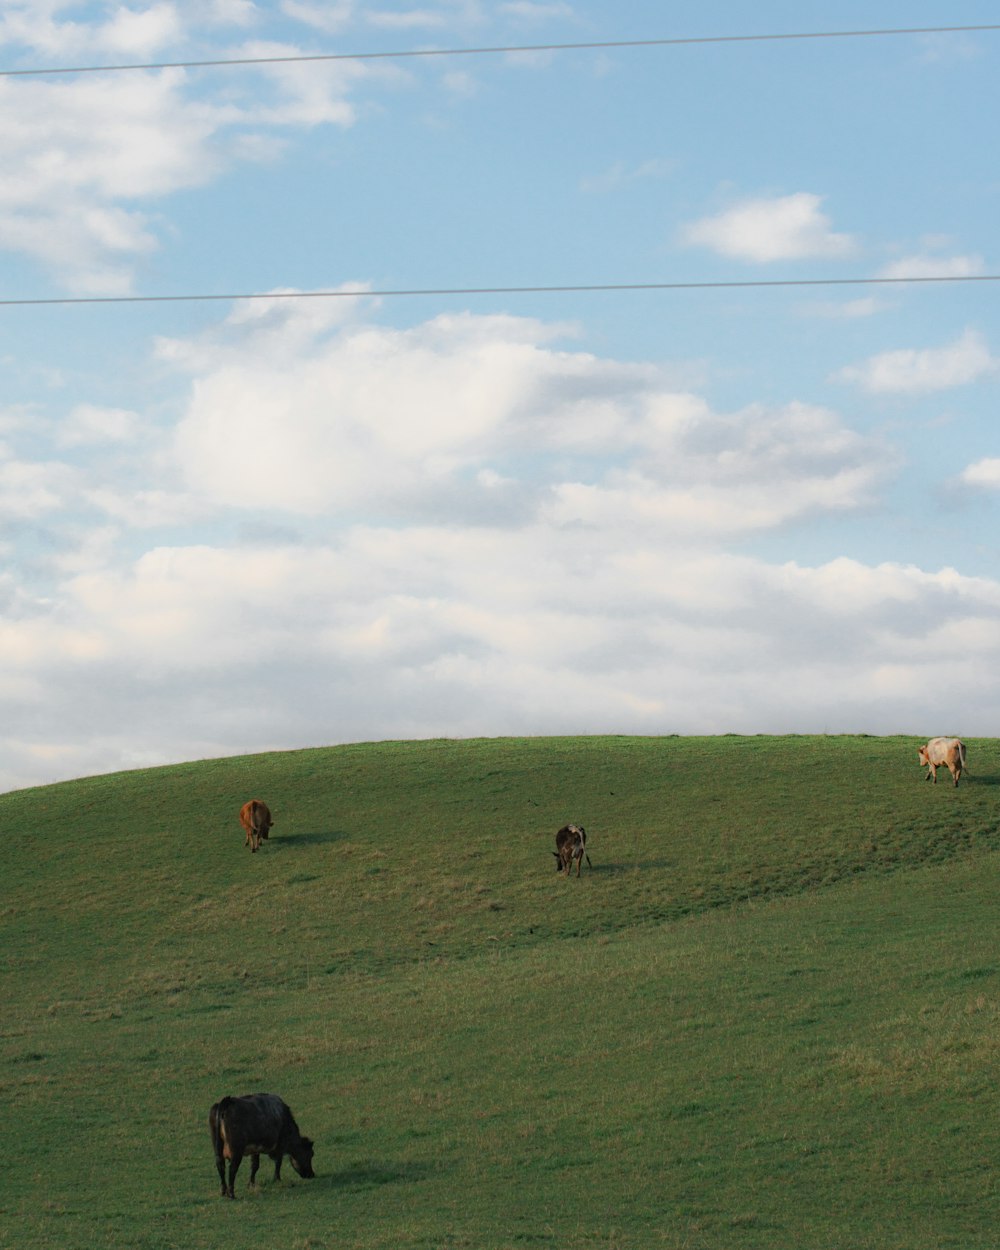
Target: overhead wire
495,50
554,289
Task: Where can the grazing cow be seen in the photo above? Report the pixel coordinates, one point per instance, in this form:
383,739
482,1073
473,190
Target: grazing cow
571,843
253,1125
255,817
938,751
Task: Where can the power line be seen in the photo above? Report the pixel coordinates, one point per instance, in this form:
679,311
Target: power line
412,53
572,289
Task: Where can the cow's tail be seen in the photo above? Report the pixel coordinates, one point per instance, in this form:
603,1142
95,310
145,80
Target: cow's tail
961,757
215,1123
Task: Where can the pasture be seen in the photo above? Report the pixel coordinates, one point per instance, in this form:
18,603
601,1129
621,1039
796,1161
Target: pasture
766,1017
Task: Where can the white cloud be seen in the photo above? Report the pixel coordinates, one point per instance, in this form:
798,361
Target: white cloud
405,19
984,474
951,48
336,16
89,424
125,32
531,11
847,310
620,175
367,414
917,372
308,93
83,157
790,227
73,150
327,417
461,84
31,489
930,266
145,508
240,13
330,18
707,475
141,33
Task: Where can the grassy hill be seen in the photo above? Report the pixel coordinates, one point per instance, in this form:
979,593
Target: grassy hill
767,1016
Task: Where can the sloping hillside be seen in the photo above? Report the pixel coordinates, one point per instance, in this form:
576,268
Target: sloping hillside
766,1016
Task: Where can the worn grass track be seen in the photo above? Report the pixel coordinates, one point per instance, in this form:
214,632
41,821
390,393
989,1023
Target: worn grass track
767,1016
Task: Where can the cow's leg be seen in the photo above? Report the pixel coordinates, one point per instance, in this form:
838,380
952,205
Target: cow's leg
235,1159
277,1165
932,773
220,1163
254,1165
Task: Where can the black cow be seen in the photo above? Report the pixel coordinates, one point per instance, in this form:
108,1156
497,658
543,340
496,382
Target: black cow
253,1125
571,843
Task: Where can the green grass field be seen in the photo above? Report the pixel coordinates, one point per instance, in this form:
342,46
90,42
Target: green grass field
767,1017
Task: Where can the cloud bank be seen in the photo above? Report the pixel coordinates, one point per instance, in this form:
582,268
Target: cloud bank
464,527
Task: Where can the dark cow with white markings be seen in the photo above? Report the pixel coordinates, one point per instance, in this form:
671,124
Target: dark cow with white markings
255,1125
571,844
255,817
943,751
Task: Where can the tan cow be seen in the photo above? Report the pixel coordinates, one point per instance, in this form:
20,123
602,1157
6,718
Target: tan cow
949,751
255,817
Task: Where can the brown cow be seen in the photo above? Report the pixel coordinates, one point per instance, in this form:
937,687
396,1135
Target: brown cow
571,844
255,817
253,1125
938,751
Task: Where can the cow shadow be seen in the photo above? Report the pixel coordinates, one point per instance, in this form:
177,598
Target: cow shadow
372,1174
981,779
310,838
616,869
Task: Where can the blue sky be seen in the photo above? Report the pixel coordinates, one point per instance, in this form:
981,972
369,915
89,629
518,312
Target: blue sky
231,526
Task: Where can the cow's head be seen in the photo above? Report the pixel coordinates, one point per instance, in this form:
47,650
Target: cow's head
302,1157
922,755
